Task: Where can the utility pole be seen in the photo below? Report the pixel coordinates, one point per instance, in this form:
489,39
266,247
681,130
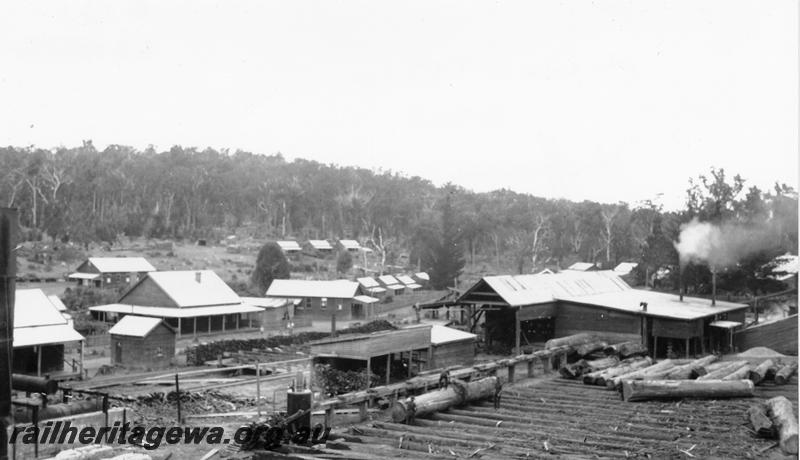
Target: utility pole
8,272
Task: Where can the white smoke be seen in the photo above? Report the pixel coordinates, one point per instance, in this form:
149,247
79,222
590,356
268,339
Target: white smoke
720,245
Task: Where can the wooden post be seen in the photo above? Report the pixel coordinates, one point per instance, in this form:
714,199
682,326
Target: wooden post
410,361
209,324
362,410
194,326
179,328
530,368
237,321
516,332
38,360
369,371
511,370
258,388
388,367
224,317
81,358
655,346
687,348
329,416
178,396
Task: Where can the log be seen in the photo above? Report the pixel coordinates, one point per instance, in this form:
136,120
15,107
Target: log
723,370
456,394
578,368
760,372
782,414
701,371
626,349
685,372
762,423
630,366
784,374
741,373
645,390
640,373
570,340
589,348
574,370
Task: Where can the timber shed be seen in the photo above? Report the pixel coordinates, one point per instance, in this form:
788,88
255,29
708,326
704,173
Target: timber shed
540,307
140,341
451,347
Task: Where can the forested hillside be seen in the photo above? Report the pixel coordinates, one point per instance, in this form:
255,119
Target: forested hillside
81,194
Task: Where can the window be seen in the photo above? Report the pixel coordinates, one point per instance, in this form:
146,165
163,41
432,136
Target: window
323,303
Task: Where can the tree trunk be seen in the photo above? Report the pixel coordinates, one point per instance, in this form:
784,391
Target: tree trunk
685,372
784,374
599,377
784,419
762,424
640,373
723,371
741,373
456,394
760,372
571,340
645,390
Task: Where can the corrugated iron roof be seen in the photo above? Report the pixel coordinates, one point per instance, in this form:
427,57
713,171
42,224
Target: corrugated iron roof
83,276
33,308
368,282
320,244
183,287
350,244
365,299
121,264
582,266
166,312
289,245
389,280
44,335
405,279
443,334
337,289
625,267
422,276
135,326
57,303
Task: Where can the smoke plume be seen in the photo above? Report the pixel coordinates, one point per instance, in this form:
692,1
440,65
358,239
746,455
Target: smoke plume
721,245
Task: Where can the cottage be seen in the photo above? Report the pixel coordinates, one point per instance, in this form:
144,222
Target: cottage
350,245
111,272
583,267
540,307
422,278
408,282
371,286
144,342
192,302
322,299
40,335
322,247
289,246
392,285
451,347
785,268
277,314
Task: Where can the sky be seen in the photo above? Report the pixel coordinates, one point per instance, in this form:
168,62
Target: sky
602,100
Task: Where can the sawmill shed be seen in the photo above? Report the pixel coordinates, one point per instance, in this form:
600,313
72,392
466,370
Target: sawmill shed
541,307
192,302
111,272
142,342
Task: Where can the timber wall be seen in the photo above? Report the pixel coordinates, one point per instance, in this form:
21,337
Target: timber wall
460,353
575,318
780,335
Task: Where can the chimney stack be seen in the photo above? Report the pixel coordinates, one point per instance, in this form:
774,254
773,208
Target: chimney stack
680,281
713,285
198,276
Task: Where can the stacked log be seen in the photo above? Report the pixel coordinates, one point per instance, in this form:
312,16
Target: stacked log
784,374
600,377
759,374
685,372
723,371
577,369
740,373
570,340
703,370
640,374
626,349
785,421
645,390
589,348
